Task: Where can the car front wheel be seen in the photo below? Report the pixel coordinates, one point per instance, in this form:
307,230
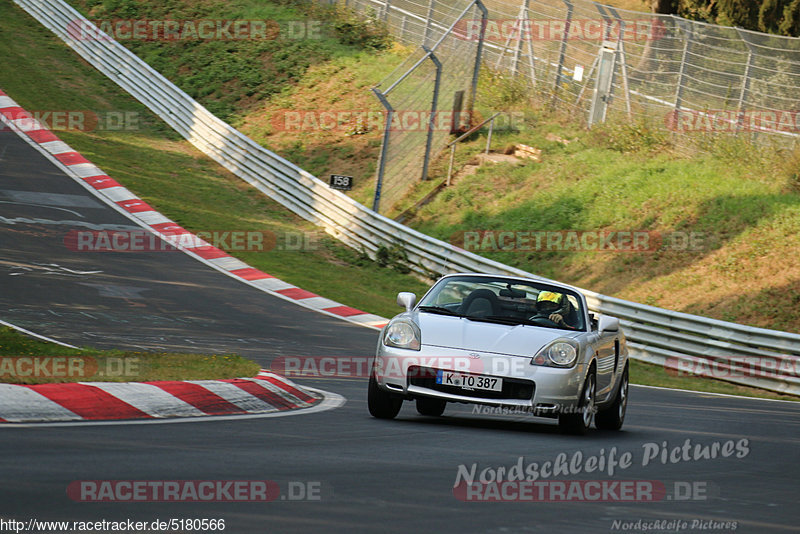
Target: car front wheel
382,404
579,422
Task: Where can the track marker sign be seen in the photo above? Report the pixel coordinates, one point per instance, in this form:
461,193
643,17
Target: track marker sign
342,182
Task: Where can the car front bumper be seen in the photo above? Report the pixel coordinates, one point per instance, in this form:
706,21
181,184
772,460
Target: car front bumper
539,388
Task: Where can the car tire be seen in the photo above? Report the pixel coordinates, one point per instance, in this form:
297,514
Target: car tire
382,404
431,407
578,423
612,417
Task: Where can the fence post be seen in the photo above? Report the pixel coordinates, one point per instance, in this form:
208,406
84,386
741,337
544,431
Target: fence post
745,83
531,56
521,23
489,137
452,159
434,104
602,86
478,54
621,58
687,47
386,7
588,77
563,51
508,42
376,202
428,22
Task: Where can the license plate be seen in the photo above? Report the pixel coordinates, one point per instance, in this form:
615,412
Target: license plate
465,381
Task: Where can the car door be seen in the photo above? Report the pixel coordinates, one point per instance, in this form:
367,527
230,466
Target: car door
607,354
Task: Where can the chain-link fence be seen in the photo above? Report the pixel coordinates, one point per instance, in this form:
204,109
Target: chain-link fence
689,78
427,97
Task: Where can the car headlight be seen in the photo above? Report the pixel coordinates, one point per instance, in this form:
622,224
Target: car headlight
403,335
559,353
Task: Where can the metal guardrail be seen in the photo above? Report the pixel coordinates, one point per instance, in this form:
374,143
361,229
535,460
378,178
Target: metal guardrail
656,335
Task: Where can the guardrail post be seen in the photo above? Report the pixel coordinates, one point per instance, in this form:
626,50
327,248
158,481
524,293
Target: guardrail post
376,202
434,105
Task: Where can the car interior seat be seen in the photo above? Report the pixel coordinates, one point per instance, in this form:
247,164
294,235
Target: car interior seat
480,303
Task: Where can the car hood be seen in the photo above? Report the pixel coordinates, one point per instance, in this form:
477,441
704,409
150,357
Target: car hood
466,334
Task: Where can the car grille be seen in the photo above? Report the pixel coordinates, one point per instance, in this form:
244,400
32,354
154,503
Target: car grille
513,388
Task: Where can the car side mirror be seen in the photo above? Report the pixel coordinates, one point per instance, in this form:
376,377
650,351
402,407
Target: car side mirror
406,300
607,323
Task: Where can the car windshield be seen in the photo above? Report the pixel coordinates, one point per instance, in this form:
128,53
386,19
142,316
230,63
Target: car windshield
491,299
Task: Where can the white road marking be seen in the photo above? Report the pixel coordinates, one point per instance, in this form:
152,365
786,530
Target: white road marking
20,402
148,398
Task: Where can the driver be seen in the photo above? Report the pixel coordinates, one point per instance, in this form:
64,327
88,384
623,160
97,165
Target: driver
554,306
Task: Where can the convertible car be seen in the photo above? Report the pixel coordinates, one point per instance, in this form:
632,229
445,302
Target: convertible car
504,342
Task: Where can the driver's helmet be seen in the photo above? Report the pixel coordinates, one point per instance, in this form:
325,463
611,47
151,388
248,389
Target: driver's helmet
549,301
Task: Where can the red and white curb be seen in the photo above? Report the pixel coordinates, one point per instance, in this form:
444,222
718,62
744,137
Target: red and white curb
263,395
124,201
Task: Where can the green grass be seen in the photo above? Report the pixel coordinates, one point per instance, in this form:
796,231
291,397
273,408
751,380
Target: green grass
42,74
229,76
24,360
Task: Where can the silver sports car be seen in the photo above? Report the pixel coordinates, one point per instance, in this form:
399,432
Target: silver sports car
511,344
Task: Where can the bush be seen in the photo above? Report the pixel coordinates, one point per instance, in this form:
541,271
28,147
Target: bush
640,136
352,29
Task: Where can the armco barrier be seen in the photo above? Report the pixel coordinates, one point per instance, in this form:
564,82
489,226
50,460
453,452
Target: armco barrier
656,335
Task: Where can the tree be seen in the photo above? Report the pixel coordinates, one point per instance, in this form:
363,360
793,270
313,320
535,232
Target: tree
780,16
664,7
773,16
742,13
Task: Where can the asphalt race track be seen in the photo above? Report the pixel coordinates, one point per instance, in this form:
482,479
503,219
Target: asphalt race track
362,474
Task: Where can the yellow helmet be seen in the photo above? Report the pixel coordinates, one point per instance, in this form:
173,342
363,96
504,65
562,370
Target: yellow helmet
550,296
